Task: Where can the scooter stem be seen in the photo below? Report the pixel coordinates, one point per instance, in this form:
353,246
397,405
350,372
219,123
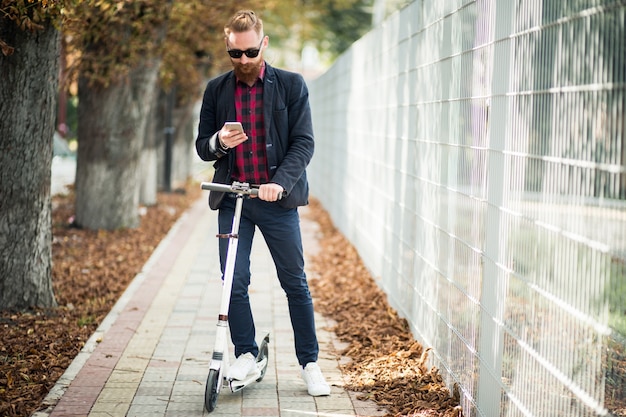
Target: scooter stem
229,268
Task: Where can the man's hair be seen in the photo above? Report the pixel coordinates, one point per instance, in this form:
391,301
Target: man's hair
243,21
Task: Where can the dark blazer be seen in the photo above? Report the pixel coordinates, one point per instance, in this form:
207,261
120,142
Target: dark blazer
288,132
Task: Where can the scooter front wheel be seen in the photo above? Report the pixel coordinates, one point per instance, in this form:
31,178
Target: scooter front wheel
210,391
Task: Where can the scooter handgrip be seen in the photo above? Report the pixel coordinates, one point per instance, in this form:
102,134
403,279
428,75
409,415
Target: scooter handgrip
281,195
213,186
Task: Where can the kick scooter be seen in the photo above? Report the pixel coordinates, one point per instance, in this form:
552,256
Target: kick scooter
219,359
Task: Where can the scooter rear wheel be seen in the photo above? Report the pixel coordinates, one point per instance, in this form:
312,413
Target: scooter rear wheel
210,391
263,356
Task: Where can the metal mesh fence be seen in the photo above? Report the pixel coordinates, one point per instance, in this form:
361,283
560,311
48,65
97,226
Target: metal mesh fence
474,153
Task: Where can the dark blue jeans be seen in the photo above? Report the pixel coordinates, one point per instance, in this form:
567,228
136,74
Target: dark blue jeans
281,230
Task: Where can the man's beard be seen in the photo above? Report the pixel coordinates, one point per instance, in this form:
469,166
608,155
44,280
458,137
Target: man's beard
248,73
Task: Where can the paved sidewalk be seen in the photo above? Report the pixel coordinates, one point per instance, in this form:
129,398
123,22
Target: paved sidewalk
150,356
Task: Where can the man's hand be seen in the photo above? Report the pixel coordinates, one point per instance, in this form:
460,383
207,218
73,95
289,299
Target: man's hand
270,191
231,138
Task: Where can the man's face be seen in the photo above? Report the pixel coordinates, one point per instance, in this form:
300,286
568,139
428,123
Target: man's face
246,68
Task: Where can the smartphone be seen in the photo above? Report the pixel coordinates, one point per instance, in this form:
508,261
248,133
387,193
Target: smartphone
233,126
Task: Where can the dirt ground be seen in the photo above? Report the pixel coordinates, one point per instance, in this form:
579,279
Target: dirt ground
91,269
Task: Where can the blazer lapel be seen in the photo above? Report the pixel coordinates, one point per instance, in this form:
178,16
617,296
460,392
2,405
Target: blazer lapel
269,88
229,105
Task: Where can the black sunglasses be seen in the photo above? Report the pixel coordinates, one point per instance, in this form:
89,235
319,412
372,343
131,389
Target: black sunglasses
250,53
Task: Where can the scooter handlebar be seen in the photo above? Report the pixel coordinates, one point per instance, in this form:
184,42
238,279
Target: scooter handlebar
236,188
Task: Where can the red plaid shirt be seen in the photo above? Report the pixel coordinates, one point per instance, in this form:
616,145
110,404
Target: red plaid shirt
251,156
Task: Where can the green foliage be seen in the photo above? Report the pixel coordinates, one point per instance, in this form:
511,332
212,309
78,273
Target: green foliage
105,39
194,44
111,37
332,25
28,15
340,23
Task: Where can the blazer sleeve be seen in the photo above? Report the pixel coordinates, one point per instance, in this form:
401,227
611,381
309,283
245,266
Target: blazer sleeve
207,143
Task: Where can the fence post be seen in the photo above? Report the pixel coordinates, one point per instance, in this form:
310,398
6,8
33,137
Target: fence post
494,283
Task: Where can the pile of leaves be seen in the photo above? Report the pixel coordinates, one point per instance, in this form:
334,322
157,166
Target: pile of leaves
386,364
91,269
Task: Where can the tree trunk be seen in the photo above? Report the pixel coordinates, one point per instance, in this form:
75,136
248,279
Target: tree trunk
28,97
182,147
149,161
111,126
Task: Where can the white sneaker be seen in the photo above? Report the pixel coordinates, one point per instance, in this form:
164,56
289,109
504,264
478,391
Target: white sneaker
315,382
244,366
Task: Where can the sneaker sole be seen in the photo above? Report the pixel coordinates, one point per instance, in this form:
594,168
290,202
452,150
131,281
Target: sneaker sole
319,393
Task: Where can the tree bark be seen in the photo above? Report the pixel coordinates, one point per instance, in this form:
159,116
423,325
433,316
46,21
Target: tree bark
111,126
148,187
182,146
28,97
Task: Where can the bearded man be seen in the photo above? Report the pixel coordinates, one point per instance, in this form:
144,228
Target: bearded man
272,152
